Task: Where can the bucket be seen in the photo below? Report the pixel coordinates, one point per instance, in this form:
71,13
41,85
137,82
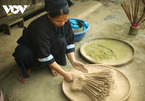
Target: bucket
79,35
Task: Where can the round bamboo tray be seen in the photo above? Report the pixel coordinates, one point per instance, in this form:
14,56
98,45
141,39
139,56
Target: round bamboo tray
120,91
107,51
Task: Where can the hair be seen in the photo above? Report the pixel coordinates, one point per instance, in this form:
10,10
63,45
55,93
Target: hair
56,13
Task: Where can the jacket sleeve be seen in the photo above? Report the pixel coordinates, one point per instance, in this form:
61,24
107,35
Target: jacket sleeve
41,40
70,39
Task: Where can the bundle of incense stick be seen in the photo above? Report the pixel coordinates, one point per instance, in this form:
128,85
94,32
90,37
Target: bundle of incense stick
132,12
96,85
144,4
143,1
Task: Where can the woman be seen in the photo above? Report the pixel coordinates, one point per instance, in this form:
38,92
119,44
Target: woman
47,40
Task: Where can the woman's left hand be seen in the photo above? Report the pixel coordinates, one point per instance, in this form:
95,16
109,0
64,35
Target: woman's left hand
79,66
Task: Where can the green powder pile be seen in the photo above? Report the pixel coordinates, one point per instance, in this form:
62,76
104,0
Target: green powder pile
108,51
99,52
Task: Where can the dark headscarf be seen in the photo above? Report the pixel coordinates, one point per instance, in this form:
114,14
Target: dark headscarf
52,5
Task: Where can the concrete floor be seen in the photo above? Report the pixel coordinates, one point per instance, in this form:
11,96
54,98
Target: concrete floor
107,21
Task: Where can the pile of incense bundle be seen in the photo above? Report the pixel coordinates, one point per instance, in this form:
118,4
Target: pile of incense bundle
97,86
131,11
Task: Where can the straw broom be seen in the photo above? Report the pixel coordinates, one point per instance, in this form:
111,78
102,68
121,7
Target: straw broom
131,11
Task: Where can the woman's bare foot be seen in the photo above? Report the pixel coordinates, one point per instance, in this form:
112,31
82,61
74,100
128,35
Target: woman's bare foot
54,72
22,79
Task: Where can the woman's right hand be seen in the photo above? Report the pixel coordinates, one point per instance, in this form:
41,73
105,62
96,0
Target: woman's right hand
68,77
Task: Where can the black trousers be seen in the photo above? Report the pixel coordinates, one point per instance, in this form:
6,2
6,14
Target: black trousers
26,58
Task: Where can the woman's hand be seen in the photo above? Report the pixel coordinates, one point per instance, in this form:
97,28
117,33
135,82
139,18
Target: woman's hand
68,77
76,64
79,66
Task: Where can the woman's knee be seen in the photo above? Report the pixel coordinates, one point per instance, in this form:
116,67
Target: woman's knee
24,56
23,52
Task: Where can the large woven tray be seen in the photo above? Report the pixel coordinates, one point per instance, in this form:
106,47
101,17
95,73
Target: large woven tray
120,92
107,51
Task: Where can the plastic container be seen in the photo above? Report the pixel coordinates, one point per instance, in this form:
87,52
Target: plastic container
78,36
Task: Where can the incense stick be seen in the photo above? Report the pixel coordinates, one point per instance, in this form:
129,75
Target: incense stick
132,12
143,1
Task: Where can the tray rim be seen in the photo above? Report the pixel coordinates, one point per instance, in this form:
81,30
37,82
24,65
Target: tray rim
119,64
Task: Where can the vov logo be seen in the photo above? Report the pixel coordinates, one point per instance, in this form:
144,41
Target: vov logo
15,8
